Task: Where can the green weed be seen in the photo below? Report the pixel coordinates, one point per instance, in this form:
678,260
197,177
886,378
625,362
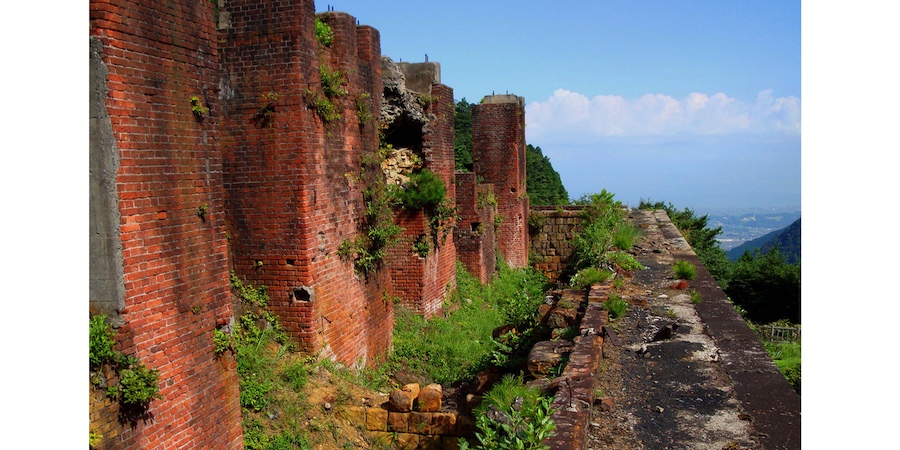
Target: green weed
684,270
616,306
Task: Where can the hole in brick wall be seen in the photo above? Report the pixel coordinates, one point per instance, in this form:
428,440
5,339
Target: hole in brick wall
290,262
513,190
405,133
476,226
303,294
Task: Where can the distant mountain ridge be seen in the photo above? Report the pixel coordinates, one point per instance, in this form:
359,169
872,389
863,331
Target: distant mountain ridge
786,239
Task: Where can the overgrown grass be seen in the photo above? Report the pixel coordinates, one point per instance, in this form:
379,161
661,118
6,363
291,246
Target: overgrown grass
606,234
615,306
456,347
786,356
589,276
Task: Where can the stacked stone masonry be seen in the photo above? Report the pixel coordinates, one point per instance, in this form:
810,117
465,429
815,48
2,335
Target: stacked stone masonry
552,229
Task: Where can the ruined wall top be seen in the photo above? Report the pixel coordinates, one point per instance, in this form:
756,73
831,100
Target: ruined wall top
420,76
503,98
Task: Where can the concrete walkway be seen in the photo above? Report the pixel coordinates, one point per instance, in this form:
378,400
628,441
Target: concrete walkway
687,375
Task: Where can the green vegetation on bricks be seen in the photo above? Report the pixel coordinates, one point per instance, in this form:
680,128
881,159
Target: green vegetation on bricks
138,384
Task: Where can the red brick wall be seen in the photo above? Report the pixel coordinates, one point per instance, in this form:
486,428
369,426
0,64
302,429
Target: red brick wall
423,283
290,200
174,261
474,234
498,153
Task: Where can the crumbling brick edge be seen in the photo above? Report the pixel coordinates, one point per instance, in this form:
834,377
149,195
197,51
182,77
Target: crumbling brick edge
576,392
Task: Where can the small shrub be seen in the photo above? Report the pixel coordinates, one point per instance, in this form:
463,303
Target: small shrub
101,341
221,341
332,81
198,109
695,297
296,374
684,270
324,33
421,246
616,306
138,385
536,221
423,190
589,276
363,112
527,417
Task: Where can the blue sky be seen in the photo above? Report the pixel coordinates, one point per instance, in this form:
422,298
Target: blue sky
691,102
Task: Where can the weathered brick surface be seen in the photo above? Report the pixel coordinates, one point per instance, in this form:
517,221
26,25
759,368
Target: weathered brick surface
289,200
498,154
422,283
174,259
474,235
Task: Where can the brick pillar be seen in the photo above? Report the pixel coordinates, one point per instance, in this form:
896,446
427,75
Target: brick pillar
422,282
474,234
498,153
290,201
160,268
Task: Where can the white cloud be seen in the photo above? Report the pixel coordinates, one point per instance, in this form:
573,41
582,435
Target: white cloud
570,116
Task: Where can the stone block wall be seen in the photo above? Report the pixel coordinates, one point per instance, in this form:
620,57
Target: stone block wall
158,245
474,234
498,154
289,199
552,229
414,429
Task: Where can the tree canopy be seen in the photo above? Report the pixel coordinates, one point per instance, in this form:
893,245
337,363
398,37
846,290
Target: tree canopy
543,184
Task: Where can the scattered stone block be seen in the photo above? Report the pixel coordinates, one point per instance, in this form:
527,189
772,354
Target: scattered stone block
546,355
403,399
562,317
443,423
430,398
419,423
354,414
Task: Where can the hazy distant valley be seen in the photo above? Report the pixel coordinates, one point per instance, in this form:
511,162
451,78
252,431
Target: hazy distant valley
739,226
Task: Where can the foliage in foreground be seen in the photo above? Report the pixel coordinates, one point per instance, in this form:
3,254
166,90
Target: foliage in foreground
512,416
